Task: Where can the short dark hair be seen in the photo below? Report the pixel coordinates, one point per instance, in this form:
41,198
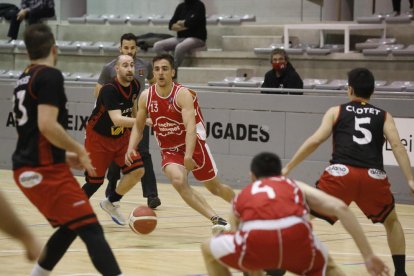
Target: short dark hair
279,51
39,40
166,56
266,164
362,81
129,36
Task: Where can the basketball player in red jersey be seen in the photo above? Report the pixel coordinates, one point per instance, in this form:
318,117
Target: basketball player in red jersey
273,231
357,171
107,136
179,128
44,155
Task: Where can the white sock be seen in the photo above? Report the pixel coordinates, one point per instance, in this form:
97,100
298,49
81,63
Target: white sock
39,271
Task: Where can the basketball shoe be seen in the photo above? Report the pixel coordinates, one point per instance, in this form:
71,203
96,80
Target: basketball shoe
219,225
153,202
112,208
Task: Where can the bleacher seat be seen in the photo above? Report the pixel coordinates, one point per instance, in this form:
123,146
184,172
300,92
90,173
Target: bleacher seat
333,85
379,83
372,43
212,19
318,51
160,19
138,20
252,82
396,86
248,18
6,45
375,18
408,51
80,76
409,88
382,50
111,48
77,20
117,19
230,19
10,74
63,44
268,50
227,81
96,19
401,19
311,83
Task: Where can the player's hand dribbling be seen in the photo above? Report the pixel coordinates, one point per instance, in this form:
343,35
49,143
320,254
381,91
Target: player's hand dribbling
129,156
189,163
376,266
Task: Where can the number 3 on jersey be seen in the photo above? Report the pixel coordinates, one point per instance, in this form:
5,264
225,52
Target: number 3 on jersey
22,117
256,188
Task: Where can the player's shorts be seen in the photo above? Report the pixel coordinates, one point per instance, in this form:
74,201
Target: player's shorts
287,244
57,195
206,169
104,150
368,188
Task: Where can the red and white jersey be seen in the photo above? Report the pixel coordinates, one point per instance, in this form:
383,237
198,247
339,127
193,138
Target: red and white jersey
167,119
269,199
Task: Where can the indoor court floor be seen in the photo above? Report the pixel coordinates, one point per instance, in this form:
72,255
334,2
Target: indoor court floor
173,249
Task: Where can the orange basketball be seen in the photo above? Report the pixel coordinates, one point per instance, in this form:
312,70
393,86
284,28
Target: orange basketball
142,220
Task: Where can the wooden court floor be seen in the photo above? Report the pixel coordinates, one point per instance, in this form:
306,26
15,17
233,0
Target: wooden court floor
174,247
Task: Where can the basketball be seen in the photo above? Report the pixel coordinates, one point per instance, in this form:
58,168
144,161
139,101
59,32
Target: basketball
142,220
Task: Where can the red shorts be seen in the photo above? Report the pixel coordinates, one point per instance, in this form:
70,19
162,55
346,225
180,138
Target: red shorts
368,188
206,169
291,247
104,150
57,195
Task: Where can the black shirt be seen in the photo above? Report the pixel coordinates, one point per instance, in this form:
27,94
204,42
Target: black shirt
38,84
288,79
113,96
194,14
358,136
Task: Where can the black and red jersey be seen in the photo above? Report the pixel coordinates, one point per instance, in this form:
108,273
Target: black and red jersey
38,84
358,135
113,96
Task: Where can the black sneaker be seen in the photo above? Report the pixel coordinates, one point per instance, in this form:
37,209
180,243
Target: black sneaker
153,202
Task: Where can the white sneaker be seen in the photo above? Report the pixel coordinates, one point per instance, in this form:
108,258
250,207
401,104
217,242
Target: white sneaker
219,225
219,228
112,208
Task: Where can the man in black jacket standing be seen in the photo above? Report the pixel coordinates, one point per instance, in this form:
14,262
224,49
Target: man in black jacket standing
282,75
189,21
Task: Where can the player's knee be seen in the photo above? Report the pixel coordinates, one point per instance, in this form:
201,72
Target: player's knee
179,183
138,173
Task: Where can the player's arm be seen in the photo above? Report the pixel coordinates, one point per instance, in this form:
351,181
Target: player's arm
13,226
313,142
98,87
398,149
50,128
326,204
138,128
185,101
119,120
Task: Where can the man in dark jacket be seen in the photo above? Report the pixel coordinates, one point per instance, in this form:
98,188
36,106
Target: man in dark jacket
31,10
189,21
282,75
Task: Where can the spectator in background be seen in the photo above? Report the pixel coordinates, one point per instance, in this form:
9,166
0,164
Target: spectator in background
282,75
396,6
189,21
31,10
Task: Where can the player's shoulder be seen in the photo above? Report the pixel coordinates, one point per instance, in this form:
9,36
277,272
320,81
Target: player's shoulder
48,73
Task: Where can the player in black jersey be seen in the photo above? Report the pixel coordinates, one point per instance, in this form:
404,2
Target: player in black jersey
107,136
44,155
357,171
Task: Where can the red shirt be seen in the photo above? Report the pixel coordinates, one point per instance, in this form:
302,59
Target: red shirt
167,119
270,198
